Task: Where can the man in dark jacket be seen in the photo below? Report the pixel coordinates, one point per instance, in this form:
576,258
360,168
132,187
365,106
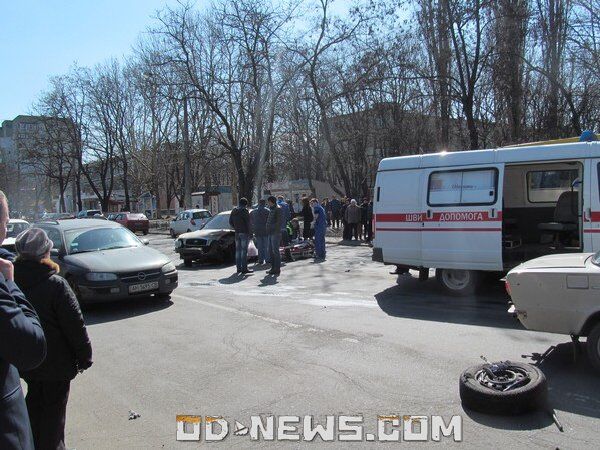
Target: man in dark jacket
239,219
336,211
258,220
22,346
274,231
69,348
286,218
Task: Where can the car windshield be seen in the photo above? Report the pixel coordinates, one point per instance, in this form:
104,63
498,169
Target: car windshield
96,239
596,258
13,229
201,215
219,222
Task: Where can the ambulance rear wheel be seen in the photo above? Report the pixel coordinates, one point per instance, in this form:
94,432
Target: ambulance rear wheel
458,282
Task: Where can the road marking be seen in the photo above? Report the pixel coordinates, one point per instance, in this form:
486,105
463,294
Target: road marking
246,313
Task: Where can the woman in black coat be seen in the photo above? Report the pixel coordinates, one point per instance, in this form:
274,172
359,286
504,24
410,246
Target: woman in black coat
307,217
68,346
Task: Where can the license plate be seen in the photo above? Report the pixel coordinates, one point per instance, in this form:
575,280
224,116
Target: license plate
143,287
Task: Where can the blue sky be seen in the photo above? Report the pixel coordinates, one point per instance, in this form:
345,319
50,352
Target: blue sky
41,38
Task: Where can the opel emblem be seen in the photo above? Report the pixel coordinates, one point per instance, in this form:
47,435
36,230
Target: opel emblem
141,276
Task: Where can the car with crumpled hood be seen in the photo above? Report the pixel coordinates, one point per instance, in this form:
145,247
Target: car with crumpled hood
214,242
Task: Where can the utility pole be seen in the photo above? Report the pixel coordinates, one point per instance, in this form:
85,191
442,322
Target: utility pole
187,165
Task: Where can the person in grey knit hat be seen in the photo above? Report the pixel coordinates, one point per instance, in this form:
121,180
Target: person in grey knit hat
33,244
69,347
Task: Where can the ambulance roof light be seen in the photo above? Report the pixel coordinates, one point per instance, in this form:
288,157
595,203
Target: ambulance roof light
588,136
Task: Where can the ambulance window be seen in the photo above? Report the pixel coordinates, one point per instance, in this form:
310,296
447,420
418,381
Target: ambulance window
463,187
545,186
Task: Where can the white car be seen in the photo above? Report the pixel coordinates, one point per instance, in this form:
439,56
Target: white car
14,227
559,294
189,220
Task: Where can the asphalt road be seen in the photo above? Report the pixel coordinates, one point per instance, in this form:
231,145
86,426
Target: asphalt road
340,337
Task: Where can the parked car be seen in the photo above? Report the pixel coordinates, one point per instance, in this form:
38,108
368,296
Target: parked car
103,261
559,294
133,222
14,227
89,213
216,241
189,220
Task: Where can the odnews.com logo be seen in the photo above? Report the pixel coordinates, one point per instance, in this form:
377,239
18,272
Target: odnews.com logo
349,428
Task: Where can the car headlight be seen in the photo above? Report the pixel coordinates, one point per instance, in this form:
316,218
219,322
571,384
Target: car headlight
178,243
101,276
168,267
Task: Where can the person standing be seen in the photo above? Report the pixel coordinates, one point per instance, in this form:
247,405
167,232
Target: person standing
336,208
307,217
345,227
69,347
258,220
286,216
353,219
369,229
274,231
327,207
22,347
320,227
239,219
364,210
291,208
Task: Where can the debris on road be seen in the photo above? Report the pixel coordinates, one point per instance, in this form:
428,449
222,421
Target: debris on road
133,415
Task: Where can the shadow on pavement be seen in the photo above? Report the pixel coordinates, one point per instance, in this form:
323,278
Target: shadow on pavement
268,280
350,243
531,421
233,279
203,266
572,383
109,312
413,299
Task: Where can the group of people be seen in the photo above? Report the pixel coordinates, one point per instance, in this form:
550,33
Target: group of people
43,339
355,220
273,226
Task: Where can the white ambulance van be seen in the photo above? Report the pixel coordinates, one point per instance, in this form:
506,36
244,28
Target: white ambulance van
463,213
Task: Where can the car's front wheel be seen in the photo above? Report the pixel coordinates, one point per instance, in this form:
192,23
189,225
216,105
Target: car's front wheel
188,262
458,282
593,347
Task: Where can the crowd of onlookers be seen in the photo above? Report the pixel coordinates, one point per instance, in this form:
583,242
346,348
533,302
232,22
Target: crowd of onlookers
355,220
273,224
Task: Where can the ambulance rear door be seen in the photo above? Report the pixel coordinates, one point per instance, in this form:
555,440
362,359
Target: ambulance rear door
398,220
